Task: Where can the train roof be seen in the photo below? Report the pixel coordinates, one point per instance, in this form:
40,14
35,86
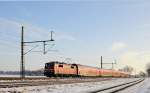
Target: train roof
58,62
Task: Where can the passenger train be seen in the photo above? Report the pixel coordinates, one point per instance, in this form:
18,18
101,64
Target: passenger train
61,69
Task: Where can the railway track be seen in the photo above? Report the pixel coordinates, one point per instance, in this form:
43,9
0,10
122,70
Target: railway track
44,78
27,78
9,83
118,88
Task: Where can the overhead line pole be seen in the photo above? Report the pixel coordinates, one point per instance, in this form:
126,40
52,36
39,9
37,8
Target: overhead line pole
101,62
108,63
22,67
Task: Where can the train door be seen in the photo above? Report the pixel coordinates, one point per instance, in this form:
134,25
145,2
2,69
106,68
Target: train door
76,69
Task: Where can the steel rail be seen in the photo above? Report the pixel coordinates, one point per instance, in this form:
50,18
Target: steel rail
123,86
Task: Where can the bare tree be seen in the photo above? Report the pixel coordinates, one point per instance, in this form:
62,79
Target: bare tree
142,74
128,69
148,69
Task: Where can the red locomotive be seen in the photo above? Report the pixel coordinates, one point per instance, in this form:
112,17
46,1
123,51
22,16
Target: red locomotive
59,69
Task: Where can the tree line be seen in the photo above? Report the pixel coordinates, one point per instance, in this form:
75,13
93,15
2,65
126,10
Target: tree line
27,72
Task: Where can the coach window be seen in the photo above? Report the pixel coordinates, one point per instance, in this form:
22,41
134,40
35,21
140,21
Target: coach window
60,65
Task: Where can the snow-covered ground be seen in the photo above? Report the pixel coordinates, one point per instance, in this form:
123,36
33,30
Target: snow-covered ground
69,88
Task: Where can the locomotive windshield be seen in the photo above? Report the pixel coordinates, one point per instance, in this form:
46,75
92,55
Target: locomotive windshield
49,65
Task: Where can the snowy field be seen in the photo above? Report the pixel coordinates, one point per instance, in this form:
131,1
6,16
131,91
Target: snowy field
72,88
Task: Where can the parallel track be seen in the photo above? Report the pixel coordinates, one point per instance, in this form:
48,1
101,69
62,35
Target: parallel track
117,88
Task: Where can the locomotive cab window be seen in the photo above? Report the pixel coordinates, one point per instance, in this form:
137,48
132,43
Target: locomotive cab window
72,67
49,65
60,66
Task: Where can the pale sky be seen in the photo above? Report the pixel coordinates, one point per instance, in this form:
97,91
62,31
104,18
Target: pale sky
115,29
